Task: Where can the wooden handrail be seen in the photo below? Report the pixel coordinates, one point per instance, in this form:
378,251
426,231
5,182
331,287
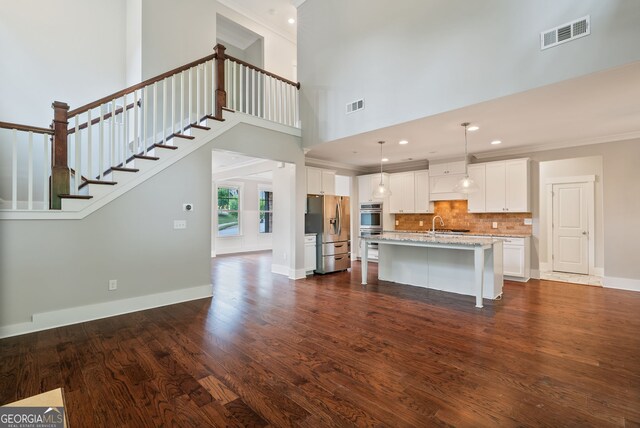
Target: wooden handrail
141,85
28,128
258,69
95,121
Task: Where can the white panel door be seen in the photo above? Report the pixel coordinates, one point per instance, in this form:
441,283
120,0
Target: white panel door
570,228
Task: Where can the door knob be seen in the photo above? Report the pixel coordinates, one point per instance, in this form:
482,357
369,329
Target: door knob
584,232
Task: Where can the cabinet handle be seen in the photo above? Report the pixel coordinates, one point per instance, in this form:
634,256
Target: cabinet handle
338,258
338,246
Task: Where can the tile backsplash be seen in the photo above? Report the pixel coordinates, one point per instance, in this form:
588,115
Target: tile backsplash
455,216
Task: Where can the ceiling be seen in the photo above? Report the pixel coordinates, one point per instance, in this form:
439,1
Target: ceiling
596,108
271,13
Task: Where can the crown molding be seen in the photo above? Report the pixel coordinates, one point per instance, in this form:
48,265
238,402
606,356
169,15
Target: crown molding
321,163
247,13
556,146
297,3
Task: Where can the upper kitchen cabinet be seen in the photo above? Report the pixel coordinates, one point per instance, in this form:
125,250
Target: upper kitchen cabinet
403,198
476,200
446,168
321,181
507,186
409,193
366,184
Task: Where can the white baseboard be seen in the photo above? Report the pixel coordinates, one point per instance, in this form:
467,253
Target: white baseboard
62,317
598,271
622,283
280,269
297,273
535,273
545,267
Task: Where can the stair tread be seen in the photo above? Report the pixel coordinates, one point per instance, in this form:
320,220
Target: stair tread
87,182
195,125
214,118
164,146
145,157
188,137
119,168
228,109
65,196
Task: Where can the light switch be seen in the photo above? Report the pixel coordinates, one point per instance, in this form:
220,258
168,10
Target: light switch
494,225
528,221
179,224
421,223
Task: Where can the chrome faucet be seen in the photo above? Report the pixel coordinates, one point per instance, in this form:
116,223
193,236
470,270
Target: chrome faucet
433,224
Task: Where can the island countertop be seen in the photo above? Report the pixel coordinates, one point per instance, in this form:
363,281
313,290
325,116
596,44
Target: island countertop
426,238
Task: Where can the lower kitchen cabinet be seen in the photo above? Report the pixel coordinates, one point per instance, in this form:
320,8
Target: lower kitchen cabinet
516,254
309,253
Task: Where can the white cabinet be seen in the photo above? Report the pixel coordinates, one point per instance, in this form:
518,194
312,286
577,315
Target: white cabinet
309,253
476,200
422,204
447,168
320,181
516,254
366,184
403,198
507,186
409,193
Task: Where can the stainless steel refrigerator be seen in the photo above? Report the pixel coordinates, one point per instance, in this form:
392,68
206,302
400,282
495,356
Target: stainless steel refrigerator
328,216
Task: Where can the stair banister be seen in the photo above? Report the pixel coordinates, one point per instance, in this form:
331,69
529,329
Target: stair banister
221,94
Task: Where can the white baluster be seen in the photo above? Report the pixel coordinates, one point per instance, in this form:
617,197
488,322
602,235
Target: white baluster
198,117
246,89
190,71
145,114
181,127
101,144
164,111
14,171
30,166
260,96
89,145
76,140
46,164
155,116
125,130
136,128
173,104
112,134
206,92
235,98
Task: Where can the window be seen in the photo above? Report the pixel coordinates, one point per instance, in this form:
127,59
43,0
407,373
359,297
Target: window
266,211
228,211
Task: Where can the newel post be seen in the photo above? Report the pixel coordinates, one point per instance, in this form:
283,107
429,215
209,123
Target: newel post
60,175
221,94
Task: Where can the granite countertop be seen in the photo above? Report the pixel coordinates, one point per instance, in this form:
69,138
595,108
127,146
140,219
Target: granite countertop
310,234
498,234
430,239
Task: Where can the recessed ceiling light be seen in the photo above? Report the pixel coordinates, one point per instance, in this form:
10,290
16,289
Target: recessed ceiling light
495,142
291,21
403,142
384,160
473,128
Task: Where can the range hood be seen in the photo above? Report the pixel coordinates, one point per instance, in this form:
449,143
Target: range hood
443,178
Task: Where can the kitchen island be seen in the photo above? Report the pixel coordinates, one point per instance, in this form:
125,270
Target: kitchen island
453,263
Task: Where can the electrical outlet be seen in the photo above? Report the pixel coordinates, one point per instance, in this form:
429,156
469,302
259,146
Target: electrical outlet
528,221
421,223
179,224
397,222
494,225
113,284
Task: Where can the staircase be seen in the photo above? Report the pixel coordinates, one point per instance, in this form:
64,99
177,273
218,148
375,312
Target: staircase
95,153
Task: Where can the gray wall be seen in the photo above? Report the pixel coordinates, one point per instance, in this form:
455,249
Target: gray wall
415,58
48,265
620,203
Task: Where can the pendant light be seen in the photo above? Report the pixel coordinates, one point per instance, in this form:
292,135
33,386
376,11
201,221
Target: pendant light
381,191
466,185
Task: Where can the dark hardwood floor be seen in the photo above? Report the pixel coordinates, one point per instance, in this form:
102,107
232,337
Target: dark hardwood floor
327,352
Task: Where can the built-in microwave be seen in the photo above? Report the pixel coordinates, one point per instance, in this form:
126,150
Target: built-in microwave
371,215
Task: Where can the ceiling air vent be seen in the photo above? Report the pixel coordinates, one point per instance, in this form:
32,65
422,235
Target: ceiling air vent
565,33
355,106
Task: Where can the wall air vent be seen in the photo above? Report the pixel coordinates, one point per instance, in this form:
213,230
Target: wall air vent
565,33
355,106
